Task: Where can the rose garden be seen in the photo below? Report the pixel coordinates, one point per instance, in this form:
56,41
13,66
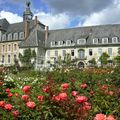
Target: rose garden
62,94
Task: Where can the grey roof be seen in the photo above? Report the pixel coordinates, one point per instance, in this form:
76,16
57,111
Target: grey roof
35,39
88,33
4,24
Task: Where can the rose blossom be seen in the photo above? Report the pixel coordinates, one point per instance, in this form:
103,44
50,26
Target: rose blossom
74,93
111,92
41,98
63,96
65,86
1,83
27,88
87,106
16,113
10,95
17,95
8,107
2,103
110,117
84,86
31,104
100,117
7,90
81,99
47,89
25,97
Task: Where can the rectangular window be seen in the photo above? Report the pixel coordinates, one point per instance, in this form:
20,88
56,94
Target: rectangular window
110,51
95,41
72,52
3,58
64,52
52,43
15,47
8,58
90,52
68,42
15,57
9,46
100,51
104,40
114,40
81,41
56,53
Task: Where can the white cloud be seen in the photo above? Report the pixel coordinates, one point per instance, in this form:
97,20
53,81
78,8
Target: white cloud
53,21
109,15
11,17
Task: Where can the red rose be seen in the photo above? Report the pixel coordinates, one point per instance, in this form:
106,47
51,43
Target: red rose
81,99
47,89
10,95
27,89
8,107
16,113
31,105
17,95
2,103
7,90
41,98
74,93
25,97
100,117
87,106
84,86
65,86
104,87
1,83
63,96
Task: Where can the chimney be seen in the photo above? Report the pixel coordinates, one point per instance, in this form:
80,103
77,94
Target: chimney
46,33
35,21
27,28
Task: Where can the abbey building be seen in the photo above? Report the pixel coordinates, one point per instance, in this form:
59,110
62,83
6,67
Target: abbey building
82,43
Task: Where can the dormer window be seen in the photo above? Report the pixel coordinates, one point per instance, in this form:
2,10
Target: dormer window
4,37
52,43
15,36
81,41
115,40
104,40
68,42
60,42
10,36
21,36
95,41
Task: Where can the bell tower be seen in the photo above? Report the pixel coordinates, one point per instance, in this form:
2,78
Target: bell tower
27,15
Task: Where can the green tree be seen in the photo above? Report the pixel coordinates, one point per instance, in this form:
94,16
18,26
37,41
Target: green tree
104,58
26,57
67,60
92,62
117,60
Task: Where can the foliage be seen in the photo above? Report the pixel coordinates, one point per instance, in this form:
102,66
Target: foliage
64,94
28,54
104,58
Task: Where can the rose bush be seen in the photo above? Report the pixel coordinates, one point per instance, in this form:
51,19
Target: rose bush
77,95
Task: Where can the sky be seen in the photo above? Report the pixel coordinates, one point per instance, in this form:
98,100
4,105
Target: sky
60,14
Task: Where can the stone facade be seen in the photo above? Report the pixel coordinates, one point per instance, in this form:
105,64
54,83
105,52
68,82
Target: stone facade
82,43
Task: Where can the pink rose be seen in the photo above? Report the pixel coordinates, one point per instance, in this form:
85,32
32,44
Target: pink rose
110,117
81,99
65,86
2,103
41,98
8,107
31,104
16,113
84,86
27,89
25,97
100,117
63,96
74,93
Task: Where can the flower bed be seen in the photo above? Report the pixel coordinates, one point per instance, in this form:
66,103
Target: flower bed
57,95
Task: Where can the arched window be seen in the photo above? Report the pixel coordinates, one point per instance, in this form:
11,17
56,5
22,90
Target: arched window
15,47
10,36
3,58
81,53
21,36
9,47
4,37
9,59
15,36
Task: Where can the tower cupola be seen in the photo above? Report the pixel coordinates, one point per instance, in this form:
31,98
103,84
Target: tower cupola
27,15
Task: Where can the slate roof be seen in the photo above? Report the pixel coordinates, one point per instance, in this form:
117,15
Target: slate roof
4,24
35,39
88,33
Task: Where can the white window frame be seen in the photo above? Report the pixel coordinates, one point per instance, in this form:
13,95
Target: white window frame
81,43
10,36
100,51
52,44
110,51
105,40
15,37
68,42
21,35
114,40
95,41
4,37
